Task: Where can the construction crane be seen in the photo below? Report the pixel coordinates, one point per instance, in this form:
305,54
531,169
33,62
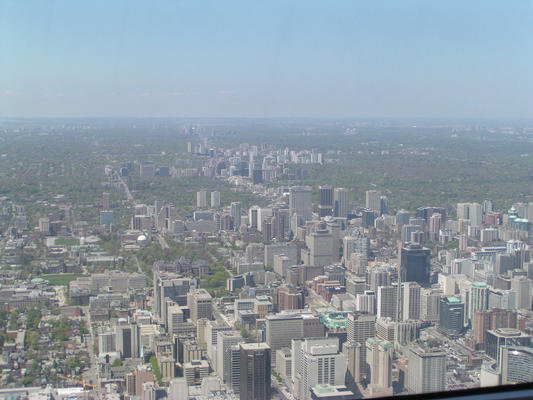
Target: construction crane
83,383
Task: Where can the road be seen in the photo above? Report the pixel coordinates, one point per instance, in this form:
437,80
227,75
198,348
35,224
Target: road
162,242
92,376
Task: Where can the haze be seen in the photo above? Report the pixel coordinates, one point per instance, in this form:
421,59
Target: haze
271,59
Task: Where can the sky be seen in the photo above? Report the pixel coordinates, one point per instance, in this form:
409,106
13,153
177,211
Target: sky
128,58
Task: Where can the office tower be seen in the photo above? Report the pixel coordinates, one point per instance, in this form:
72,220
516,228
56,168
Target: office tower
300,206
106,204
430,305
200,305
340,202
263,214
320,245
127,340
516,364
377,277
435,223
283,327
215,199
522,287
225,340
195,371
409,301
201,199
426,370
387,299
463,211
359,328
500,337
236,215
255,371
479,298
253,217
281,224
415,264
490,320
402,217
476,215
379,359
169,286
352,352
452,312
384,205
366,302
289,298
373,201
107,219
316,361
325,201
147,169
212,329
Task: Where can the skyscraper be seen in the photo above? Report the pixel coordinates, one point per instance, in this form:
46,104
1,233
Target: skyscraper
373,201
255,371
361,327
452,312
316,361
409,301
340,202
427,370
201,199
325,201
387,299
215,199
236,215
300,206
106,204
379,360
415,264
516,364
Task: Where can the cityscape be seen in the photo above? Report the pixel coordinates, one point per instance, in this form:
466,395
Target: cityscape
286,200
214,270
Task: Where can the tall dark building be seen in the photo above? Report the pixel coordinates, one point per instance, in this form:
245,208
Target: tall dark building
255,371
325,201
452,313
415,264
427,212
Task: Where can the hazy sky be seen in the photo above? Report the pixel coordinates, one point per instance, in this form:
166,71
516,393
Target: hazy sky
249,58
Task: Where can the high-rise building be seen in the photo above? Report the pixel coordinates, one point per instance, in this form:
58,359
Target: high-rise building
340,202
281,328
320,244
427,370
415,264
379,360
452,312
300,206
106,203
236,214
387,299
409,301
215,199
200,304
255,371
479,298
522,287
373,201
505,337
201,199
325,201
316,361
516,364
361,327
225,340
484,321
